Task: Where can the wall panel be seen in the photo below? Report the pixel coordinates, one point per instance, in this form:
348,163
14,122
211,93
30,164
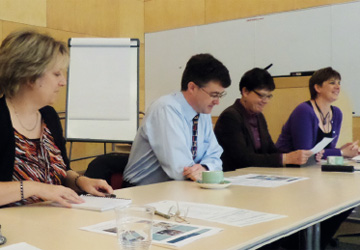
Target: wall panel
107,18
84,150
165,14
131,19
29,12
1,31
220,10
300,4
356,128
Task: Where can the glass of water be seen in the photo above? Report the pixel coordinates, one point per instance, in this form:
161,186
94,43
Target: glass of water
134,227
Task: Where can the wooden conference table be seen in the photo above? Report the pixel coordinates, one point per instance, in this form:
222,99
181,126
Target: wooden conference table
305,203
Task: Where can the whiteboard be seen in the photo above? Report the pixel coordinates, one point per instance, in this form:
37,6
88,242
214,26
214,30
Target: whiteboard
301,40
102,92
346,49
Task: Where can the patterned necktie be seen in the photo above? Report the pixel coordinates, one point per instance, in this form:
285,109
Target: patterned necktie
194,135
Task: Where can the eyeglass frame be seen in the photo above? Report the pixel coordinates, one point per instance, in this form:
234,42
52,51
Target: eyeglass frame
215,95
177,214
262,96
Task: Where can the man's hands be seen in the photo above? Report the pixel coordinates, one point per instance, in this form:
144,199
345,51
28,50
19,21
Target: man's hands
194,172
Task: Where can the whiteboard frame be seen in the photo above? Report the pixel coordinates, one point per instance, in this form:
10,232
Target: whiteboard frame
134,44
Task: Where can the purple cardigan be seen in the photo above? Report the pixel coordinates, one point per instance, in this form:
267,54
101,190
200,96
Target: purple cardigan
301,130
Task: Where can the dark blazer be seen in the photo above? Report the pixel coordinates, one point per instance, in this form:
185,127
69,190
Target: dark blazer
234,134
7,138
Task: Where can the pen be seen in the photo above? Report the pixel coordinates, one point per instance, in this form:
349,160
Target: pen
166,216
106,195
110,195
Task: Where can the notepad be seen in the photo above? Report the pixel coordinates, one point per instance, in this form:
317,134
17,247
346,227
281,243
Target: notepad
101,204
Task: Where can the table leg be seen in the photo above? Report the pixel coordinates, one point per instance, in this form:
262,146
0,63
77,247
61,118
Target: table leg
309,238
313,237
316,236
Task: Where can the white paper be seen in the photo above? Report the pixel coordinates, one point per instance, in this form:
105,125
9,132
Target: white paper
20,246
100,203
260,180
220,214
166,233
356,158
321,145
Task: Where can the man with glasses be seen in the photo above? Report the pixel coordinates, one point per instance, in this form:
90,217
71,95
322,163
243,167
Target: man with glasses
242,130
176,139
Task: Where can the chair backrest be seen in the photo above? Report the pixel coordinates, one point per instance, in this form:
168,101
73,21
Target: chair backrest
109,167
116,180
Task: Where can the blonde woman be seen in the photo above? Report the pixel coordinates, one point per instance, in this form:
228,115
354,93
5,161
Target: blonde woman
33,162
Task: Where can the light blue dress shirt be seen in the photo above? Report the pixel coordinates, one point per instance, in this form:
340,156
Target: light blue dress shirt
162,146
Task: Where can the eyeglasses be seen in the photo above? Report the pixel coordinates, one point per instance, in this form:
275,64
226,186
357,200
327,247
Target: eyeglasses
263,96
215,95
176,213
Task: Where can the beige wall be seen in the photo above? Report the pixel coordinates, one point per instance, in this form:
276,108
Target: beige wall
170,14
129,18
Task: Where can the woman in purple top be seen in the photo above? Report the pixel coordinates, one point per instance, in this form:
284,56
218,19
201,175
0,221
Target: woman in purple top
315,119
308,124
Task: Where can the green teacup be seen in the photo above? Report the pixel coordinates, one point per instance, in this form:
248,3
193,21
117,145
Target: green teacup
212,177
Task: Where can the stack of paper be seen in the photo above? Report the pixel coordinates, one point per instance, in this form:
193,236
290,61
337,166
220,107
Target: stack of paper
101,203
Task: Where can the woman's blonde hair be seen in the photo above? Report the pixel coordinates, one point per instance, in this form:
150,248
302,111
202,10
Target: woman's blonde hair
24,56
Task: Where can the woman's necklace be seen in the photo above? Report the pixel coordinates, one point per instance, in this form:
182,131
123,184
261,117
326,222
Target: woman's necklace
323,118
21,124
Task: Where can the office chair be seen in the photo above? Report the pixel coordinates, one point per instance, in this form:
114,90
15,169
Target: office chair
109,167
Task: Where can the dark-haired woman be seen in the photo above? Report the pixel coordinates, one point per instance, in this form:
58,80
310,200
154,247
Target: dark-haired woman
242,130
315,119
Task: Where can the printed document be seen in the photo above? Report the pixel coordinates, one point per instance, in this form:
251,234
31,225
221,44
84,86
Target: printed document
261,180
167,233
220,214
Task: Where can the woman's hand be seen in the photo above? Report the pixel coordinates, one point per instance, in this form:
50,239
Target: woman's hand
297,157
350,149
96,187
57,193
319,155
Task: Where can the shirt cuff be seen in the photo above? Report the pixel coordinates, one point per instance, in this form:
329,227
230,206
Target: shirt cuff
206,167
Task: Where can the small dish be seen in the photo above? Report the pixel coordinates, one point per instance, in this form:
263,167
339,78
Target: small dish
221,185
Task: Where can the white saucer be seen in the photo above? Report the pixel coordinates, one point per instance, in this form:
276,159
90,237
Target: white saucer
224,184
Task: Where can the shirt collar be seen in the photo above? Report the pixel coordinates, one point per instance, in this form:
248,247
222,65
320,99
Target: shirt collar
188,111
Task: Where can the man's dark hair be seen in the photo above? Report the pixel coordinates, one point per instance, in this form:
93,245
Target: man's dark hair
203,68
257,78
